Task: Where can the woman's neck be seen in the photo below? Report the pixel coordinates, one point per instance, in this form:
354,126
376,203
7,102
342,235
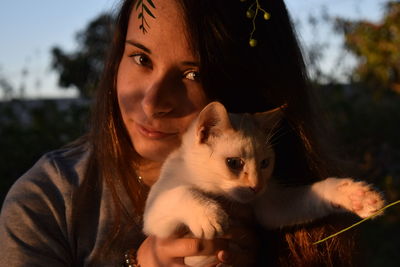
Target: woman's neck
149,171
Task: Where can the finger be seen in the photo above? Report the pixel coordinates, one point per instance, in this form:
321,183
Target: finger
242,249
151,254
237,257
225,256
183,247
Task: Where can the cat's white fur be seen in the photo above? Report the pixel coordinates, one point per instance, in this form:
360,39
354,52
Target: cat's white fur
198,170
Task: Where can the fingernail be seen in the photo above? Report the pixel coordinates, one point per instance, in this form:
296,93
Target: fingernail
225,256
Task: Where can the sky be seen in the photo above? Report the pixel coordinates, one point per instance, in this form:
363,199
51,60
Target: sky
29,29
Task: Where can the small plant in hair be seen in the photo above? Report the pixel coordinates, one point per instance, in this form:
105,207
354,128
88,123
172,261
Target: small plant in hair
252,13
144,9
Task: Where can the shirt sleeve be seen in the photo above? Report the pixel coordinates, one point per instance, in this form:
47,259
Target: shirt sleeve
33,226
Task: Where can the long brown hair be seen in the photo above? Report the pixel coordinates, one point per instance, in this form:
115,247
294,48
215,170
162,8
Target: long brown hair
244,79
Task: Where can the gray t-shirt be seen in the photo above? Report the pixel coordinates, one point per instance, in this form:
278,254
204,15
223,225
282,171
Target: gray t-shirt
36,227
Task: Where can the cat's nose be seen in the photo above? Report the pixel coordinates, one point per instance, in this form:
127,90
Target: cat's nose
255,188
253,182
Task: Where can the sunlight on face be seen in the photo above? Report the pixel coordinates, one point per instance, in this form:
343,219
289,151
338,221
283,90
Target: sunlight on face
159,92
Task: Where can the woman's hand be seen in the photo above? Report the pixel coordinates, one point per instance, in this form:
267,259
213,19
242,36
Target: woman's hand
170,252
237,248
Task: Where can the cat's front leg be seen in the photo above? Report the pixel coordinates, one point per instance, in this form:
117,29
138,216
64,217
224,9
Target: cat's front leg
179,206
357,197
284,206
205,217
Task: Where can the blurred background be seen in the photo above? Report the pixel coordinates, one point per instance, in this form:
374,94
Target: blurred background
51,54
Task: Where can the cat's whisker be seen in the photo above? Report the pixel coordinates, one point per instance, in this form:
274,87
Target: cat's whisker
273,131
275,136
212,152
270,146
270,136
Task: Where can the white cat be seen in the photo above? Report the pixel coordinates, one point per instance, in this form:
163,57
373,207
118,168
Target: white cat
230,155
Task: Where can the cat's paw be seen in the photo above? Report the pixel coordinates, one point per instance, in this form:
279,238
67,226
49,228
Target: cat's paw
358,197
160,224
207,221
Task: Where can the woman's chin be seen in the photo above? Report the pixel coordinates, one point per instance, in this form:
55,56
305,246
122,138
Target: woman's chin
156,152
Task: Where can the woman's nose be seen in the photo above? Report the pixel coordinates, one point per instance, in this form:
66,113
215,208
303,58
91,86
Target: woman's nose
160,97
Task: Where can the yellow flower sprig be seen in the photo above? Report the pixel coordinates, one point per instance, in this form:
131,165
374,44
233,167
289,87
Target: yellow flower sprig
354,225
252,13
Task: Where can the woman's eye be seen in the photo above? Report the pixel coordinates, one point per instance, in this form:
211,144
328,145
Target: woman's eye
192,75
141,59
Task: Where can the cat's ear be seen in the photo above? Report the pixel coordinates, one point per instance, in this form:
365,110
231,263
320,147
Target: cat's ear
212,121
271,118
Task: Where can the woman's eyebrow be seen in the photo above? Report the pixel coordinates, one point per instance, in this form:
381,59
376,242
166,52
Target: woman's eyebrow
147,50
191,63
138,45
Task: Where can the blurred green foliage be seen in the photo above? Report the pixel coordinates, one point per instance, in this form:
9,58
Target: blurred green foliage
377,45
365,114
82,68
30,128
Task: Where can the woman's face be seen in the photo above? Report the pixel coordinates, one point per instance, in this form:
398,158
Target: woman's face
158,87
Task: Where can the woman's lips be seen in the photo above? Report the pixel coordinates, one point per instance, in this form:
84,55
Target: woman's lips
153,134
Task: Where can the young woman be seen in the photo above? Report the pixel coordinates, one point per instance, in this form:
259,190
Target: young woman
82,205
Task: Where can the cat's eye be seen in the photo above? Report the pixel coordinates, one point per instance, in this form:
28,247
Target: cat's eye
264,163
235,163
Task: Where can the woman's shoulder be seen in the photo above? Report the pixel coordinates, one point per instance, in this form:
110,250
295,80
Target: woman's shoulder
36,228
57,172
68,164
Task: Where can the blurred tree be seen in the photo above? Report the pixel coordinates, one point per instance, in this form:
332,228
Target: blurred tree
316,46
377,45
82,67
7,88
30,128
